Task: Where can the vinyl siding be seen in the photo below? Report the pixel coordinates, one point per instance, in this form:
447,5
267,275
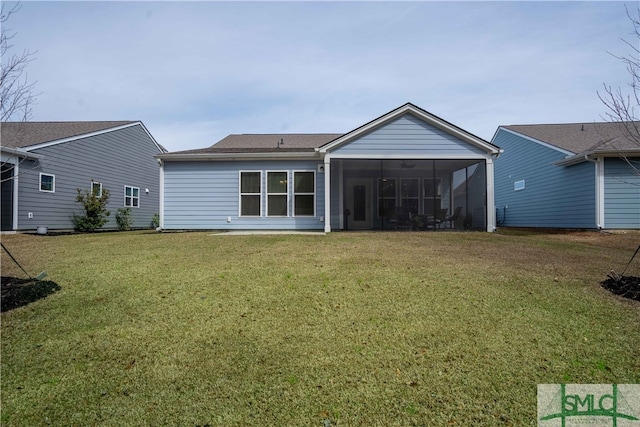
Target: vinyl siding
410,136
621,195
203,195
554,196
117,158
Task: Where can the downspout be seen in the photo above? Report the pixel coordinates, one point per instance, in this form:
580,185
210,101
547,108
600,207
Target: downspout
599,191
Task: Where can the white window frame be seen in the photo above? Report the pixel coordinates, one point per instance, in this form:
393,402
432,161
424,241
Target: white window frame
100,188
132,196
286,193
53,182
240,193
294,194
519,185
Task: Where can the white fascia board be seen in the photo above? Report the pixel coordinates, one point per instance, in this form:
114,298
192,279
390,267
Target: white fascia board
160,147
423,115
594,155
537,141
237,156
84,135
410,157
9,153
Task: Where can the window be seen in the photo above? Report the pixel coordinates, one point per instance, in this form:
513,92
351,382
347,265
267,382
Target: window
96,188
432,195
304,193
277,202
518,185
47,183
250,199
131,197
387,197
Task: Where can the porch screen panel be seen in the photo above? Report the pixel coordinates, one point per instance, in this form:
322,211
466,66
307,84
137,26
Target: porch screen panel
250,193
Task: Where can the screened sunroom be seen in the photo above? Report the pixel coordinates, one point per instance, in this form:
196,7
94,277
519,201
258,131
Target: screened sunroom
408,194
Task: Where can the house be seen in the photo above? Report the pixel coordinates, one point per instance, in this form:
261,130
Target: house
405,169
577,175
43,163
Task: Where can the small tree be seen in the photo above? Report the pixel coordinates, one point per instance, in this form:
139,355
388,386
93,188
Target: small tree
95,210
123,218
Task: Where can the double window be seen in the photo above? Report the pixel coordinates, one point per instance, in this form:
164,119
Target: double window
278,193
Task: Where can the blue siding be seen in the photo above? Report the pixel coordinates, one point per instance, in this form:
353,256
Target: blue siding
621,195
554,196
408,135
202,195
117,158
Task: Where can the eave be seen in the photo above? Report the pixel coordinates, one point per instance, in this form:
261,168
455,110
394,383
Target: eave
18,153
592,155
212,157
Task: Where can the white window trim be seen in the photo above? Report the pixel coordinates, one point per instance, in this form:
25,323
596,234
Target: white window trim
240,193
132,197
266,190
519,185
53,183
294,194
100,190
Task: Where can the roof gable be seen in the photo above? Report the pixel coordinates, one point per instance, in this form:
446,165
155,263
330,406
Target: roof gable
421,114
580,137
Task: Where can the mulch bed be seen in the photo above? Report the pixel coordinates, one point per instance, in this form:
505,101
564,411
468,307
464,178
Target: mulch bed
17,292
625,286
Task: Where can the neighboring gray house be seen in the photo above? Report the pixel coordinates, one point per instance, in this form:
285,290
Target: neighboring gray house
578,175
43,163
405,169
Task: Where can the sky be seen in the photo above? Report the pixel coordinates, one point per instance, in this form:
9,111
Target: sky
195,72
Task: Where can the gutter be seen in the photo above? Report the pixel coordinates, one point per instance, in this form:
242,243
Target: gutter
19,152
239,156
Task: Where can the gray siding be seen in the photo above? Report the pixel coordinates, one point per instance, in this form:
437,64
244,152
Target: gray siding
554,196
621,195
408,135
204,195
117,158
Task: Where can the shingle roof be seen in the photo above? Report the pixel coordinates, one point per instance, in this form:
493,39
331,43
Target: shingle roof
25,134
266,143
583,137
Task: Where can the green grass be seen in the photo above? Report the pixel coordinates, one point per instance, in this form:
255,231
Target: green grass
371,329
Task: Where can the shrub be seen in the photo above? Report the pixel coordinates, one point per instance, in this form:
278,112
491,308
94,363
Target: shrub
155,220
123,218
95,210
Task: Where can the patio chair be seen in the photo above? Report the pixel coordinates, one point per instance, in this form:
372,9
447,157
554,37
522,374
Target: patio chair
451,219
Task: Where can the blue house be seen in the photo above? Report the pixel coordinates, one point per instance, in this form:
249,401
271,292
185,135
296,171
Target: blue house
43,163
406,169
578,175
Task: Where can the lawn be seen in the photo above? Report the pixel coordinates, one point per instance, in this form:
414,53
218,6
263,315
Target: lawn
347,329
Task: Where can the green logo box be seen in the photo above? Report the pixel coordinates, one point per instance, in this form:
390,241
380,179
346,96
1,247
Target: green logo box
573,405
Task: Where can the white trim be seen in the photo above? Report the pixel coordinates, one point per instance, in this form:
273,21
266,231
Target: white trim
420,114
267,194
53,183
7,154
365,156
327,194
100,190
599,169
124,200
16,174
161,196
537,141
240,194
293,193
491,204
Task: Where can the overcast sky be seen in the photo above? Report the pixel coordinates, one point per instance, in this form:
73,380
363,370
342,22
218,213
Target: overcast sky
195,72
